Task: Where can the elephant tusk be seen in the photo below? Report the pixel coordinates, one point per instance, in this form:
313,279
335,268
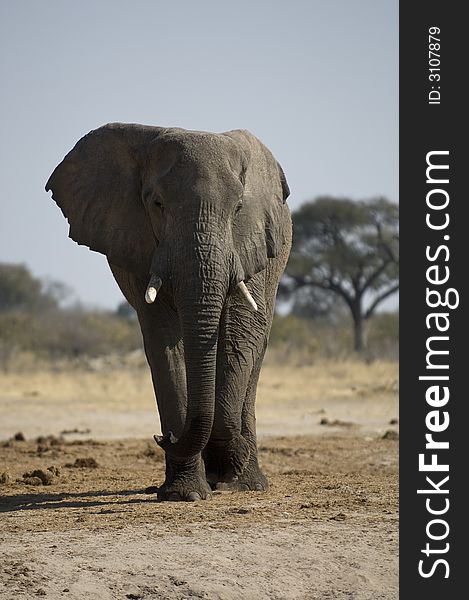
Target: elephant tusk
247,295
152,289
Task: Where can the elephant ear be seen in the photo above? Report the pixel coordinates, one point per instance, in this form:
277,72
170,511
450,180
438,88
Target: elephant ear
261,227
98,188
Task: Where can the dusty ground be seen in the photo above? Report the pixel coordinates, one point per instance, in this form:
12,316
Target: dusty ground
327,528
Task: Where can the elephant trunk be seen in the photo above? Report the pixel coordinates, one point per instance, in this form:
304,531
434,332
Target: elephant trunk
200,284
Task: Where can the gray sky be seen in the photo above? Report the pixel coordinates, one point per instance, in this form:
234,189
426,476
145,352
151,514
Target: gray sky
316,81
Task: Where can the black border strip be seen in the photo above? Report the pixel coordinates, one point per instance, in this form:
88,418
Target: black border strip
425,128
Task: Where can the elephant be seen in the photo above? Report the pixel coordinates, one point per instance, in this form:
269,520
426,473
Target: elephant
197,233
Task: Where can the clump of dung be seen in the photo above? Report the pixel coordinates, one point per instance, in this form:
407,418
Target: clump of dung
49,444
336,423
5,478
390,434
41,476
83,463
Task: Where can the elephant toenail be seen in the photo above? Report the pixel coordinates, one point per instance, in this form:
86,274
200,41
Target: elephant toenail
243,487
258,487
193,497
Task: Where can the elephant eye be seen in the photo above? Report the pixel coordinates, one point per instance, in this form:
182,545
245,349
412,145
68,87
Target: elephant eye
150,199
239,206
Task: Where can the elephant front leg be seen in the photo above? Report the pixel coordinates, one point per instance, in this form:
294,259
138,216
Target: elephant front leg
185,479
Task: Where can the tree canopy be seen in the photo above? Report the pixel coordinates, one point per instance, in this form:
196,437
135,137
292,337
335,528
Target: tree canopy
349,248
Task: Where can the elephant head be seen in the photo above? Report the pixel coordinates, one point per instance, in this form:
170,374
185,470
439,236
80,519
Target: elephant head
194,213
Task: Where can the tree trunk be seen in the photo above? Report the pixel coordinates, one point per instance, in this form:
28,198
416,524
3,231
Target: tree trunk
358,343
358,327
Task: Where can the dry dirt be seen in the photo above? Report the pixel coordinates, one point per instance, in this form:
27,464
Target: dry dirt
327,527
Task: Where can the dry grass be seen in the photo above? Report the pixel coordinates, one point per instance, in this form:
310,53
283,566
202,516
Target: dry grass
120,402
351,392
327,527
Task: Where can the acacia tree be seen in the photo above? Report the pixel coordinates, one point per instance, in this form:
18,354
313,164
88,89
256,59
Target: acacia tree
350,249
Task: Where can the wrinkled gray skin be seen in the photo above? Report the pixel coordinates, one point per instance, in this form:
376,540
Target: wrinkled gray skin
203,212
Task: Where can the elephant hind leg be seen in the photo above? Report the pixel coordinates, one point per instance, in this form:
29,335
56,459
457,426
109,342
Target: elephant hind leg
252,477
231,455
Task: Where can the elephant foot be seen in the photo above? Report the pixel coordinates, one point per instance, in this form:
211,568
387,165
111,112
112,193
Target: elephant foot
253,479
233,466
185,481
178,492
226,460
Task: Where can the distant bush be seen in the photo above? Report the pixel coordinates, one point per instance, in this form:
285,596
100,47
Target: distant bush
67,333
306,340
20,290
32,321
